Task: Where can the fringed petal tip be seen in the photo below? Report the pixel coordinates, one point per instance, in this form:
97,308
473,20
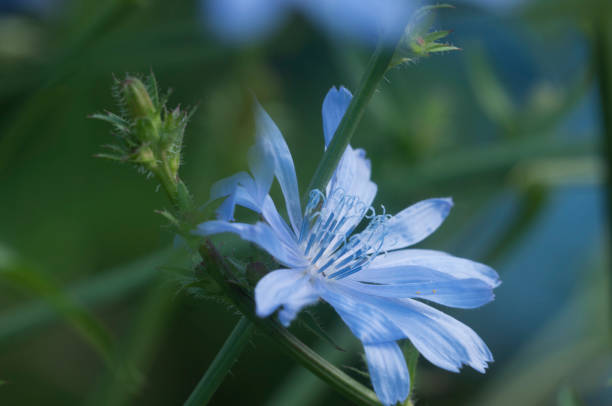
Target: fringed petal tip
417,222
334,106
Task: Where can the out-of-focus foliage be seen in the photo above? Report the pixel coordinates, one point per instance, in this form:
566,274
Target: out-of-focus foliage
510,127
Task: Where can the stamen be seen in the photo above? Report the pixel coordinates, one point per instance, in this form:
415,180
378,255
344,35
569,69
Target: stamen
323,229
310,242
324,267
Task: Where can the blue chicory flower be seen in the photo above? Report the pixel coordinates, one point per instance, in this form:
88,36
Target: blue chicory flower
370,278
249,20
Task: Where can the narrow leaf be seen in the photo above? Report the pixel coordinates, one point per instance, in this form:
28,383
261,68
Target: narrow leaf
113,119
436,35
441,48
110,156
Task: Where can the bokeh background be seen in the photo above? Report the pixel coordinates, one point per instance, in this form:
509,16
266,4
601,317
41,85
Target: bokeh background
513,127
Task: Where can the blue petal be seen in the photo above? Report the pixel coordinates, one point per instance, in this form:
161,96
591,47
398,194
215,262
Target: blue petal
227,188
363,314
440,261
424,283
225,211
243,20
335,104
261,164
243,196
441,339
284,169
278,224
350,180
388,372
352,176
289,289
260,234
415,223
241,189
246,196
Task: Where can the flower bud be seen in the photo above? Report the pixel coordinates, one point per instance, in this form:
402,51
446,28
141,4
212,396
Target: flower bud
137,98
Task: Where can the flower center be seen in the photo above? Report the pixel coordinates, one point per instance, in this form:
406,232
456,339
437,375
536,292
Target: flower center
325,235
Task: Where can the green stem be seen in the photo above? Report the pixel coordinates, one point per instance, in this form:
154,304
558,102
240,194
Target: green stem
222,363
338,380
168,184
378,65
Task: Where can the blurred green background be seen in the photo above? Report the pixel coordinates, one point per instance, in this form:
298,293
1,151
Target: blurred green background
513,128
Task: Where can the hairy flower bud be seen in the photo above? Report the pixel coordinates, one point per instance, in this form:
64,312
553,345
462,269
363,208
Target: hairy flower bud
137,99
150,134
